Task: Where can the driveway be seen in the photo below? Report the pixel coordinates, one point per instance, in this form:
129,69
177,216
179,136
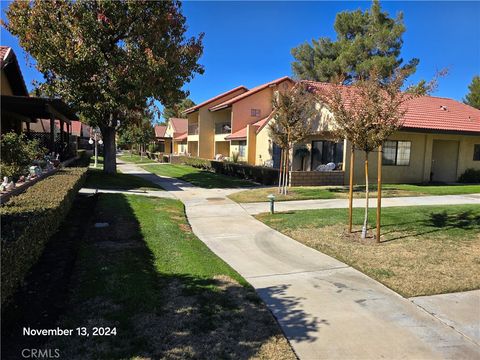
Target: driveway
327,309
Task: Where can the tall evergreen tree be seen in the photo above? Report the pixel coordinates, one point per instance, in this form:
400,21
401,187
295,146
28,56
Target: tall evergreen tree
365,40
473,97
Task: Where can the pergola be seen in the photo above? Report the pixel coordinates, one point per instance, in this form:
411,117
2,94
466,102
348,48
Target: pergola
30,109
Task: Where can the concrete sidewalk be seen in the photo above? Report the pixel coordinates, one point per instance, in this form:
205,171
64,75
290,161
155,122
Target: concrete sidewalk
260,207
327,309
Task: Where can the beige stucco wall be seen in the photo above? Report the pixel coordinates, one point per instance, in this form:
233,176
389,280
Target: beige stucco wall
234,148
222,147
193,148
206,126
180,147
263,149
420,165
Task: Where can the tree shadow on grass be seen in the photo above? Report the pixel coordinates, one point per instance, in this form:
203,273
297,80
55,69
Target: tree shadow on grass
442,221
179,315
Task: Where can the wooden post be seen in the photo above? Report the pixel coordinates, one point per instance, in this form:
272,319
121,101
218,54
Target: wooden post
52,133
379,191
350,192
280,174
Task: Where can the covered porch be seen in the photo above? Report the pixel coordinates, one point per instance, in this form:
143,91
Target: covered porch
19,112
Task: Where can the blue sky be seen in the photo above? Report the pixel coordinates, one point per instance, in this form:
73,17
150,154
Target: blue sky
248,43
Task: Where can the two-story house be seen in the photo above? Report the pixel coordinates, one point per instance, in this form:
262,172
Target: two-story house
230,122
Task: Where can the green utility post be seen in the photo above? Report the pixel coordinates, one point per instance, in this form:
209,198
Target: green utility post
271,197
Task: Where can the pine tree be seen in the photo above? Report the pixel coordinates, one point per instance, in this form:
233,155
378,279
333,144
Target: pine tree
365,40
473,97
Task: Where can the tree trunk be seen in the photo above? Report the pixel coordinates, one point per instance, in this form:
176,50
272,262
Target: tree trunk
350,192
109,150
365,220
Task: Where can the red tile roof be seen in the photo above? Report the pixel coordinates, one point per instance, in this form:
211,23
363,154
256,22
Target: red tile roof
428,112
242,133
179,125
250,92
196,107
160,131
182,137
263,122
238,135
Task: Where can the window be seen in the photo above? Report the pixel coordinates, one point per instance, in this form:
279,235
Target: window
476,152
396,153
324,152
255,112
242,147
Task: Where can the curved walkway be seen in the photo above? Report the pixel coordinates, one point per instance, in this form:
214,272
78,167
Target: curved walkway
327,309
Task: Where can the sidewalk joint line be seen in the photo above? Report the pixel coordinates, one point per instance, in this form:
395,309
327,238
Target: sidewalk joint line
298,272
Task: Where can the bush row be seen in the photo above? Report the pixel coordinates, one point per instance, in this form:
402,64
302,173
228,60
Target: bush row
157,156
470,176
260,174
29,220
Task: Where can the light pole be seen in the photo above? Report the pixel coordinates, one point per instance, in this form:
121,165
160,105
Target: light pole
97,141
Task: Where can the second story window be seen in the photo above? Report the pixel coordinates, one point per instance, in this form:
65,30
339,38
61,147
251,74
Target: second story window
255,112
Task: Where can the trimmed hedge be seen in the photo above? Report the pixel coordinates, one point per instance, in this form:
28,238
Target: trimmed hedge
30,219
259,174
471,176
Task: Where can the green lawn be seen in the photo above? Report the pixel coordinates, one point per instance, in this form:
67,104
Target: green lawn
166,294
341,192
97,179
425,250
198,177
136,159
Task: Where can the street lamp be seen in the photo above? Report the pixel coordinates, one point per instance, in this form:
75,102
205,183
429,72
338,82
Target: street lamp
97,141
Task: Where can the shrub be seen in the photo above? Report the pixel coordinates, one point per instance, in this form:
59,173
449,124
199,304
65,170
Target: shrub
83,159
29,220
470,176
260,174
152,148
18,153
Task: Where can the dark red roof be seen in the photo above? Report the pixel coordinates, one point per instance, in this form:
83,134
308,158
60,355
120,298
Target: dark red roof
179,125
218,97
160,131
248,93
238,135
427,112
182,137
